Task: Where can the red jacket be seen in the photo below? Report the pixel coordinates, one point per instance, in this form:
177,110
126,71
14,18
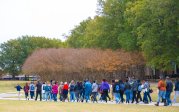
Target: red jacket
26,89
65,87
162,85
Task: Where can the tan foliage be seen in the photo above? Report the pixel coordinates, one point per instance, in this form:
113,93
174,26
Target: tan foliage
68,63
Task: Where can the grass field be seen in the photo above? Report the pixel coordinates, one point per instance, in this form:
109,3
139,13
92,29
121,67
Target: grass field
32,106
9,86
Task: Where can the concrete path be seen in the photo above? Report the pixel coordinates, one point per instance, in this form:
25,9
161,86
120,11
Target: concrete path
13,96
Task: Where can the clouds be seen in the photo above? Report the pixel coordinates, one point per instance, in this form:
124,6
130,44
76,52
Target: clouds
50,18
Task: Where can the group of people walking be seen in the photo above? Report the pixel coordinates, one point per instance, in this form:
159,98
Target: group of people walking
85,91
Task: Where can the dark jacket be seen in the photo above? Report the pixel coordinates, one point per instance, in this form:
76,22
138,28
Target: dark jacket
176,86
169,86
39,86
134,86
127,86
116,87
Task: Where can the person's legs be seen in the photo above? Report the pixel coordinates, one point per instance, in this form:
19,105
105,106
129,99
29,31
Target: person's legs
148,95
163,97
72,96
95,95
55,97
108,96
32,94
121,95
36,95
145,97
18,94
87,96
167,96
160,93
131,95
175,96
40,95
105,95
138,96
134,97
127,92
43,96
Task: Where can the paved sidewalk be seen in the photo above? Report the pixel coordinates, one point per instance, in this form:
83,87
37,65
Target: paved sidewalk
10,95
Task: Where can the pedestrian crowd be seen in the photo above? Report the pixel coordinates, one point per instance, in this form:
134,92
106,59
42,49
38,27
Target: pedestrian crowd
129,91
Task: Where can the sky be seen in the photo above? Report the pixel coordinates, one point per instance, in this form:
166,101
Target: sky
49,18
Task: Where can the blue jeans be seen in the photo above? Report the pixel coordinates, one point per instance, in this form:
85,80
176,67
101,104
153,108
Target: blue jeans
127,92
72,96
43,96
131,95
117,97
48,95
161,94
55,97
31,94
87,95
145,99
168,93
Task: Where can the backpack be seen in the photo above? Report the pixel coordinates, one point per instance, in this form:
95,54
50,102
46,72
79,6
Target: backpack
117,88
122,86
72,87
48,88
32,87
140,88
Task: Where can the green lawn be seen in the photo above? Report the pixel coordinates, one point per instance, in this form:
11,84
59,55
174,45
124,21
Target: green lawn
9,86
32,106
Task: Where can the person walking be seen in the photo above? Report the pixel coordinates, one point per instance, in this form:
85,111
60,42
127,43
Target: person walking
88,88
18,88
38,90
112,85
127,91
146,87
72,91
61,91
122,87
139,89
26,91
116,91
65,92
55,91
94,91
176,90
134,90
169,90
48,91
105,89
32,90
162,91
78,91
43,90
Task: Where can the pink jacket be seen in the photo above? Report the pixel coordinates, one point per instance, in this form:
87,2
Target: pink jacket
55,89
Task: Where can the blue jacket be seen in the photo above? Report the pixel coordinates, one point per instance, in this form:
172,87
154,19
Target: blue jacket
88,86
104,86
169,86
18,87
